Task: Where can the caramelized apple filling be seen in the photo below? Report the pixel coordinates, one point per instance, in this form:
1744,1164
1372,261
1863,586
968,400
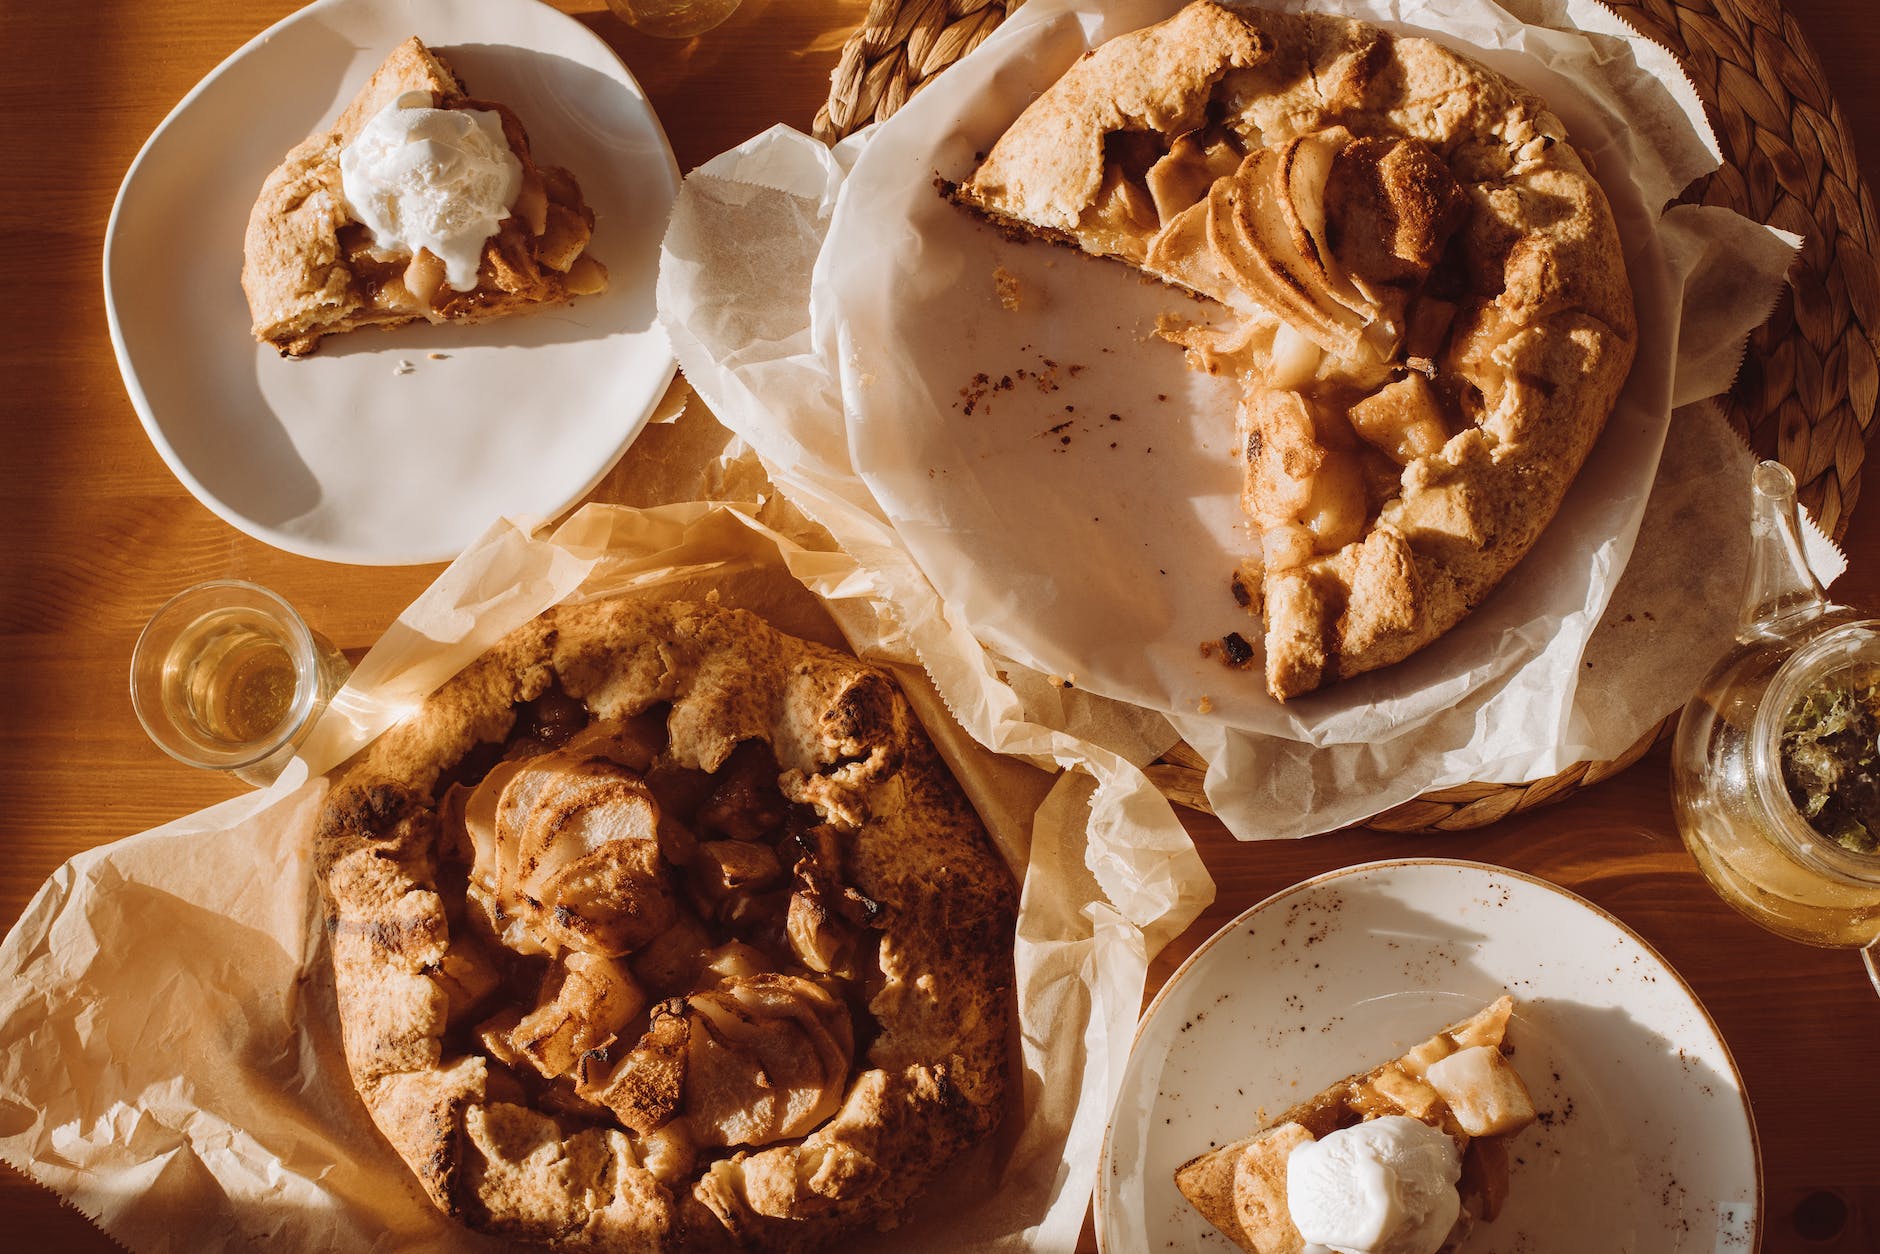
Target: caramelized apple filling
547,231
693,963
1331,234
1329,250
1332,253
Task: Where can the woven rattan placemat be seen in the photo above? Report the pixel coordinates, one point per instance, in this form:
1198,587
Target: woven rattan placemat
1811,379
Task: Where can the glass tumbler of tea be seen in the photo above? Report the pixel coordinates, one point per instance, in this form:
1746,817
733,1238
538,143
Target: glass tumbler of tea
673,19
227,676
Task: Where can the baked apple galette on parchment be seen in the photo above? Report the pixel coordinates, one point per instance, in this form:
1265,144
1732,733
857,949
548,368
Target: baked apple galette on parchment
1431,319
657,929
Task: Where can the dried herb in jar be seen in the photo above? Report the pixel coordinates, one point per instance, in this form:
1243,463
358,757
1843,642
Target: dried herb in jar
1830,747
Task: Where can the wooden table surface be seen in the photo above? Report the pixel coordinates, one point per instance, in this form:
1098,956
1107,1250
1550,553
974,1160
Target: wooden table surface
95,534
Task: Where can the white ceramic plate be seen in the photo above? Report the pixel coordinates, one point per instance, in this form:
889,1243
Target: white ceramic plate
1645,1145
341,456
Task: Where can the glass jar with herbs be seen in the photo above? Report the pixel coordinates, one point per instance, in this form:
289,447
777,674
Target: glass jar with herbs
1776,766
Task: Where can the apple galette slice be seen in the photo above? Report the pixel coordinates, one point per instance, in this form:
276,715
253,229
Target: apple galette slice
1404,1157
421,203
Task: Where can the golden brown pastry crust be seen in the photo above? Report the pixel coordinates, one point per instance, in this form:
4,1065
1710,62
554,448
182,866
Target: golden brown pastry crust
308,271
929,1075
1513,301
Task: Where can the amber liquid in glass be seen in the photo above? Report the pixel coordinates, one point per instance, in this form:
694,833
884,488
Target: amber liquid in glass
1769,695
1754,872
1738,821
229,679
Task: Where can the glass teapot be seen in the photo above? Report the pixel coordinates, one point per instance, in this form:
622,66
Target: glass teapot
1776,764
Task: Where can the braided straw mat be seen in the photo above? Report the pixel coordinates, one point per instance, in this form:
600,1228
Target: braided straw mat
1810,381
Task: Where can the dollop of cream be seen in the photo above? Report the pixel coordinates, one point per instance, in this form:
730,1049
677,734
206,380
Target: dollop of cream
437,179
1385,1186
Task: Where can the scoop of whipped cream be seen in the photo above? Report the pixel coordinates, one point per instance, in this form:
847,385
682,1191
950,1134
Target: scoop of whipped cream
439,179
1385,1186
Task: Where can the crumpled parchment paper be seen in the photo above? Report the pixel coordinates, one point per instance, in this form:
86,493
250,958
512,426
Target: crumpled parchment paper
1080,524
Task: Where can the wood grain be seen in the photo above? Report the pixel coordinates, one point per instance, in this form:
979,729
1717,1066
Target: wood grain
95,533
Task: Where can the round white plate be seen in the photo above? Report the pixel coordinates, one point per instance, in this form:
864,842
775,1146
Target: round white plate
373,450
1645,1141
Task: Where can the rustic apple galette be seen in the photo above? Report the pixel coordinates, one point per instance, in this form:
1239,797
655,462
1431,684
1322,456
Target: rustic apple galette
656,929
1413,274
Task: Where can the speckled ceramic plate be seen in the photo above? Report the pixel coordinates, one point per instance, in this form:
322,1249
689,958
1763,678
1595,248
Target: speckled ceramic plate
400,446
1645,1142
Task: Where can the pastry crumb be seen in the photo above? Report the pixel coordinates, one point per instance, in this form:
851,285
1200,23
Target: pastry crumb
1205,705
1235,649
1005,285
403,367
438,356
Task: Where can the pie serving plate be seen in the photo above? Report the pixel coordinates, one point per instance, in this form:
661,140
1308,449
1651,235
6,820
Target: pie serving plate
401,446
1645,1141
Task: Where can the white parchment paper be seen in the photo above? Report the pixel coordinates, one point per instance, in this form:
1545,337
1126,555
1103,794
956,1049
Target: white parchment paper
169,1050
1051,483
